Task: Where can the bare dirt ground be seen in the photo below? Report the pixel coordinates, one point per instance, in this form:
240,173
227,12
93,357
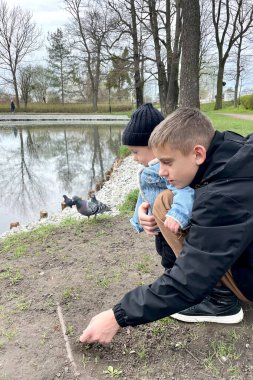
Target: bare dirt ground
54,281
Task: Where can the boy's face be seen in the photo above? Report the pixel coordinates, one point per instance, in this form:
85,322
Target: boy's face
142,154
178,169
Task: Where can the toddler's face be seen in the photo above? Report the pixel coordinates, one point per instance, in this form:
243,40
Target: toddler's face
178,169
142,154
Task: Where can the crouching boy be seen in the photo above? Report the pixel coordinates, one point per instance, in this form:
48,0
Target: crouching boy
217,253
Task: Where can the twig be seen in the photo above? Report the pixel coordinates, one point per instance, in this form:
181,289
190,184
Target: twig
65,336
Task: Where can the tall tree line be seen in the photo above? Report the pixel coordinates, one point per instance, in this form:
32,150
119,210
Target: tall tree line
118,45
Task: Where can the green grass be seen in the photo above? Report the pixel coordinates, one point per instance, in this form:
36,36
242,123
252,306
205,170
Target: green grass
14,276
128,206
227,107
124,151
18,243
223,122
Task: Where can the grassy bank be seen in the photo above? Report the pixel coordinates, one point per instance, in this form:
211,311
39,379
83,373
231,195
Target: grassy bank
76,108
223,122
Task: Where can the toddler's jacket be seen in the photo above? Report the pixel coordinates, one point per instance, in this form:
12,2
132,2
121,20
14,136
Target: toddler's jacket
151,184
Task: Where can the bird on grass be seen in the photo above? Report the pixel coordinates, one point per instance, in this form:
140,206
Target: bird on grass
68,201
88,207
101,206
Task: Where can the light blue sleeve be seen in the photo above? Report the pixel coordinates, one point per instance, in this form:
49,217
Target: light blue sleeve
135,219
181,208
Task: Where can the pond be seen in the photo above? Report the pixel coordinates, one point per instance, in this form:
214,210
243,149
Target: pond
40,164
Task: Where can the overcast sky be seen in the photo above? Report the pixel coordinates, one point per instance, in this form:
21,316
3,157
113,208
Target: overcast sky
47,14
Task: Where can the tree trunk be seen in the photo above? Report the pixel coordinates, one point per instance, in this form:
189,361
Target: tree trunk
16,90
218,101
62,83
238,71
94,99
173,58
162,78
137,75
173,91
189,78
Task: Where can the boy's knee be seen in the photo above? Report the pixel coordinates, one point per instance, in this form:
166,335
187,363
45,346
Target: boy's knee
162,202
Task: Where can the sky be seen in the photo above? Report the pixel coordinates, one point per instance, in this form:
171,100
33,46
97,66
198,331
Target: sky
47,14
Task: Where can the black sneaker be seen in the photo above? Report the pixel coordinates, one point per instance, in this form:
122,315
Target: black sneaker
220,306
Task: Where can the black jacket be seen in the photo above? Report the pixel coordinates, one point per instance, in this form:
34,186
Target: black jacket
220,237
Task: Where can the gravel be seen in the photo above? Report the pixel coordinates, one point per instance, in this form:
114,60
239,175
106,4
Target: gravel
123,179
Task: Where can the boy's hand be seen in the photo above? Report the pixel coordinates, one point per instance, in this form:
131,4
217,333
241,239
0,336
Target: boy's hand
172,225
101,328
147,221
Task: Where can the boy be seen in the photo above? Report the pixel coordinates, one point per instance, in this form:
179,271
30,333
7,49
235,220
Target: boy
136,136
220,167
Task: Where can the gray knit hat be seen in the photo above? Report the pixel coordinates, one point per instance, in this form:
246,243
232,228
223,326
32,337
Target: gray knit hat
141,125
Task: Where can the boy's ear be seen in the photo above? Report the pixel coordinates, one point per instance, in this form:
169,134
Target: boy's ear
200,154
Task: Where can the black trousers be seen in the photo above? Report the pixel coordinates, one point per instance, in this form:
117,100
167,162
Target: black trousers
163,249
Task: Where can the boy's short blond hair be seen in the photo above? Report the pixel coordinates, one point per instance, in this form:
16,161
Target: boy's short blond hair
182,130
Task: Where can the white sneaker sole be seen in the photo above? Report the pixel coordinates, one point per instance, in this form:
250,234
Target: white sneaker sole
229,319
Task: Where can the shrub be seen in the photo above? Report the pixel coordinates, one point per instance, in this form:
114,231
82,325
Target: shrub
247,101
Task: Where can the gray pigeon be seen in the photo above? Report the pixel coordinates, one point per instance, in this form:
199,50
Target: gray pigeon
68,201
89,207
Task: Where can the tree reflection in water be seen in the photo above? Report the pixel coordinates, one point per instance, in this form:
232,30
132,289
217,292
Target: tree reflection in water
21,187
38,165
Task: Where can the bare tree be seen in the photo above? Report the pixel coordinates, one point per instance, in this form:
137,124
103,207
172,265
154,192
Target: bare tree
207,56
129,30
25,83
137,56
241,45
189,76
165,20
173,56
41,83
91,24
19,37
227,15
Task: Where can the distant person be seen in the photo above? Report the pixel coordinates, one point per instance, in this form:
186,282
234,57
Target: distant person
12,106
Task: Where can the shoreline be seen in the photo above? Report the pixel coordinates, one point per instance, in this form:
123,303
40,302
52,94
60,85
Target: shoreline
113,192
38,120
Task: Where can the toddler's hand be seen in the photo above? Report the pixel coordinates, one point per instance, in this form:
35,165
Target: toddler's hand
172,225
147,221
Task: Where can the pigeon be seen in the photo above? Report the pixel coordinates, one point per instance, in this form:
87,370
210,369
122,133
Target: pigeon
89,207
93,198
68,201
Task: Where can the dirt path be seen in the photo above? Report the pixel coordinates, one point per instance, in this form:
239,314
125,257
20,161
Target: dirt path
54,281
239,116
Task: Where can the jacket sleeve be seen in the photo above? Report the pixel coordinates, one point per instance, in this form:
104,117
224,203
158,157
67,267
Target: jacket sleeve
213,244
181,208
135,219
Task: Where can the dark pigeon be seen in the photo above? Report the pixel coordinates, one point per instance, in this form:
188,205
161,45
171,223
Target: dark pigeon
93,198
89,207
68,201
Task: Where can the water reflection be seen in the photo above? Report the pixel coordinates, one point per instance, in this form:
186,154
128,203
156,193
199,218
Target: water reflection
38,165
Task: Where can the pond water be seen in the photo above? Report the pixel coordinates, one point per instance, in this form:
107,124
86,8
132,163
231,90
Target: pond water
40,164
